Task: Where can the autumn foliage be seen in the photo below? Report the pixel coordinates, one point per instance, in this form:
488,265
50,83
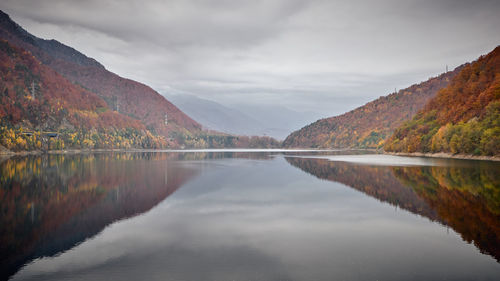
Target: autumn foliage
371,124
129,97
463,118
47,86
35,98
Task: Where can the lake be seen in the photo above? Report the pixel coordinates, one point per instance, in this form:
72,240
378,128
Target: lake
248,215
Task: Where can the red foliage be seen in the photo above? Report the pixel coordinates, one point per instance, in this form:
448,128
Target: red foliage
55,97
134,99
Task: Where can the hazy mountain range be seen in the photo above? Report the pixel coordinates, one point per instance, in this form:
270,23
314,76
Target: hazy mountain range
243,119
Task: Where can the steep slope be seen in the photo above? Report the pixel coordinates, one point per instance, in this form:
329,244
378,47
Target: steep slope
129,97
36,98
463,118
370,125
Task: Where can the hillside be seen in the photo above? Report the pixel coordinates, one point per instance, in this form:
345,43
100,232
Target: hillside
86,104
370,125
36,98
129,97
463,118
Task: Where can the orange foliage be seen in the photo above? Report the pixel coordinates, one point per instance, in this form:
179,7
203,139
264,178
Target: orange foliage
463,118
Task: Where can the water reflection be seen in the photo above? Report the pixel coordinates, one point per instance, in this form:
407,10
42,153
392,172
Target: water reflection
239,216
465,198
51,203
464,195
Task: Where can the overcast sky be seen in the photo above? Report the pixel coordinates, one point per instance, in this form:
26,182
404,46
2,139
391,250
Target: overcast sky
325,56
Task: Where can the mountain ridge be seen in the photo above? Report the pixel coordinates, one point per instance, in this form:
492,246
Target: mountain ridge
369,125
242,119
132,98
46,45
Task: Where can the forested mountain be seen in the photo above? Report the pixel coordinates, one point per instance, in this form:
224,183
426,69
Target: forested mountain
129,97
33,96
370,125
48,86
463,118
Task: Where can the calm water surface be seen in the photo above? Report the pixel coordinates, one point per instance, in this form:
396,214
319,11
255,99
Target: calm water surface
248,216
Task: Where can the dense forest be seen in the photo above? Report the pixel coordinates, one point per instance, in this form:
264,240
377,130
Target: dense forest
464,118
371,124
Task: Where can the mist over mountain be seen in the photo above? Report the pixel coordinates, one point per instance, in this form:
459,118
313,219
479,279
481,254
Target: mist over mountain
242,119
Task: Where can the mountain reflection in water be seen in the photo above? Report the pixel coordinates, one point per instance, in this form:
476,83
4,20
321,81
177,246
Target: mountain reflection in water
51,203
230,215
464,195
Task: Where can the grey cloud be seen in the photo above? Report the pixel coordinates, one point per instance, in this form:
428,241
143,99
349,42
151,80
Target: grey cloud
325,56
174,23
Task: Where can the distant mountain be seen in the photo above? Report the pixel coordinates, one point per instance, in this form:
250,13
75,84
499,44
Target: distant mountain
370,125
215,116
278,120
251,120
127,96
463,118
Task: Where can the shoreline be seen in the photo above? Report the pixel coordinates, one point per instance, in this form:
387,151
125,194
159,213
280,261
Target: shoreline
445,155
5,152
65,151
